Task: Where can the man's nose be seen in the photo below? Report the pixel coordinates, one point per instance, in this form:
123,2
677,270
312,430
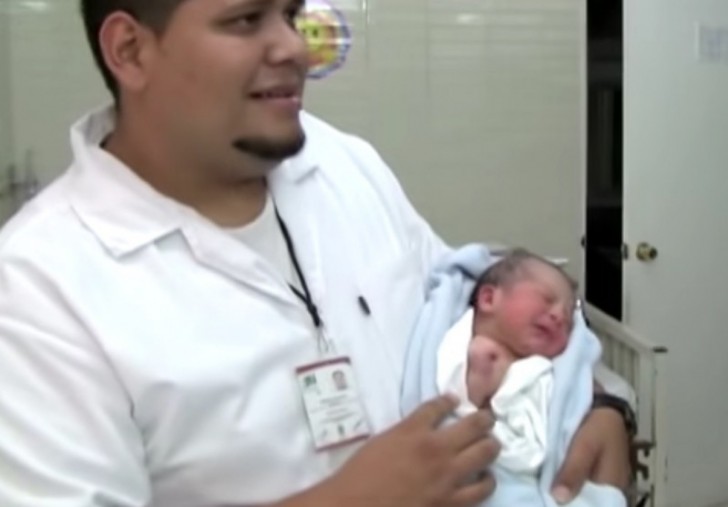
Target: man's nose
287,44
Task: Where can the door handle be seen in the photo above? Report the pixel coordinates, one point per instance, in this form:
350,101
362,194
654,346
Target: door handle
646,252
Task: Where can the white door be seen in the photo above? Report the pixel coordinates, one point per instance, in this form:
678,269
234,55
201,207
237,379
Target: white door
676,200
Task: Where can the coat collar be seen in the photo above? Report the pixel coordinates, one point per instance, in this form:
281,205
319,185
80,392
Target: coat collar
123,211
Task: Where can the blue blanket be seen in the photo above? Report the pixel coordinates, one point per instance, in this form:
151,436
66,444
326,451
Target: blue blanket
448,292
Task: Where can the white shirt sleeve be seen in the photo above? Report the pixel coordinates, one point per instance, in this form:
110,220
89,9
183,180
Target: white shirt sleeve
67,435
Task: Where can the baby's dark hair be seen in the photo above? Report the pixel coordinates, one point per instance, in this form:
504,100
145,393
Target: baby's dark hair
511,267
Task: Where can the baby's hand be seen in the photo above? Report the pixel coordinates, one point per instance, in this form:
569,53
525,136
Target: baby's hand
488,361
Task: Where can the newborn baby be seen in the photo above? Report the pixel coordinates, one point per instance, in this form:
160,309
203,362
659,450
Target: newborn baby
523,307
519,347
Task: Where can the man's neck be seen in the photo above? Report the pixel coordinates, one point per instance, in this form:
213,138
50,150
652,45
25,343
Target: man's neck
227,204
237,207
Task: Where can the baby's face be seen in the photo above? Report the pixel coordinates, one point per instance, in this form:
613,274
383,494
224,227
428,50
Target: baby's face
535,312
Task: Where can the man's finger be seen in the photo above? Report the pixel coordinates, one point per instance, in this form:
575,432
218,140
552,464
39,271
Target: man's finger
431,413
473,494
580,461
476,457
468,430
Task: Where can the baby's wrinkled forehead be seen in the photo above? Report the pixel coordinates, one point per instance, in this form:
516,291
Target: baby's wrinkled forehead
549,275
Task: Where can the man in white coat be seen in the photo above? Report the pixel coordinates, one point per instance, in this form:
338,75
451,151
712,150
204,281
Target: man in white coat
174,306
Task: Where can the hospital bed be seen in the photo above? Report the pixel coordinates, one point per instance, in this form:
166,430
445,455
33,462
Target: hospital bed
642,365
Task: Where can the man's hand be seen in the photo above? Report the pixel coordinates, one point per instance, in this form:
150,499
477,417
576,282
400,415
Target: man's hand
414,464
598,453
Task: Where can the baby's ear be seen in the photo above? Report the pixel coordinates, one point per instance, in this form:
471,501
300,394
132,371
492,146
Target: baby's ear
485,300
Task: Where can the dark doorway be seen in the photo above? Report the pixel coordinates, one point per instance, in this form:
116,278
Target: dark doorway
603,241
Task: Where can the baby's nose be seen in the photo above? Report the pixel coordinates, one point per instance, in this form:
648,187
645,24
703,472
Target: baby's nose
557,313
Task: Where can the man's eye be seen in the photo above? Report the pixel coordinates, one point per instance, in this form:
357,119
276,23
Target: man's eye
293,14
249,20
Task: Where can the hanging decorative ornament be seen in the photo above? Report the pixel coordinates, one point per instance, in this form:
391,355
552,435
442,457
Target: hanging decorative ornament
328,37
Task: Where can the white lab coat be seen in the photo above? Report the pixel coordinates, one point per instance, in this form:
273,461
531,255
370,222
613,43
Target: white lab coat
147,358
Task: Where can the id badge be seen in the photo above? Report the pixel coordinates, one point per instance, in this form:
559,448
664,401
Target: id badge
333,406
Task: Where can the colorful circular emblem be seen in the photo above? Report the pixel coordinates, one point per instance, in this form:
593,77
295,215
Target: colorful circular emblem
327,35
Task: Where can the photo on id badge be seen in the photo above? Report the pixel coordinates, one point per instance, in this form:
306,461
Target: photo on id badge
333,405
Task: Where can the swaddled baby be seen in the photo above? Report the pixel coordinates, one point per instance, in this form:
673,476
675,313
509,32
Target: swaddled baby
520,348
521,318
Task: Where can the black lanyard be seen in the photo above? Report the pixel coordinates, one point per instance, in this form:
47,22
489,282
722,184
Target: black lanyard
304,296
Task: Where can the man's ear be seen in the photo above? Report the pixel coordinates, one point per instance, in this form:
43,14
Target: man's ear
486,299
124,44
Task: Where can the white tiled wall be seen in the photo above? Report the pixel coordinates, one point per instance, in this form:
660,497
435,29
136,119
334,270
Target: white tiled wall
53,81
6,131
476,104
5,125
